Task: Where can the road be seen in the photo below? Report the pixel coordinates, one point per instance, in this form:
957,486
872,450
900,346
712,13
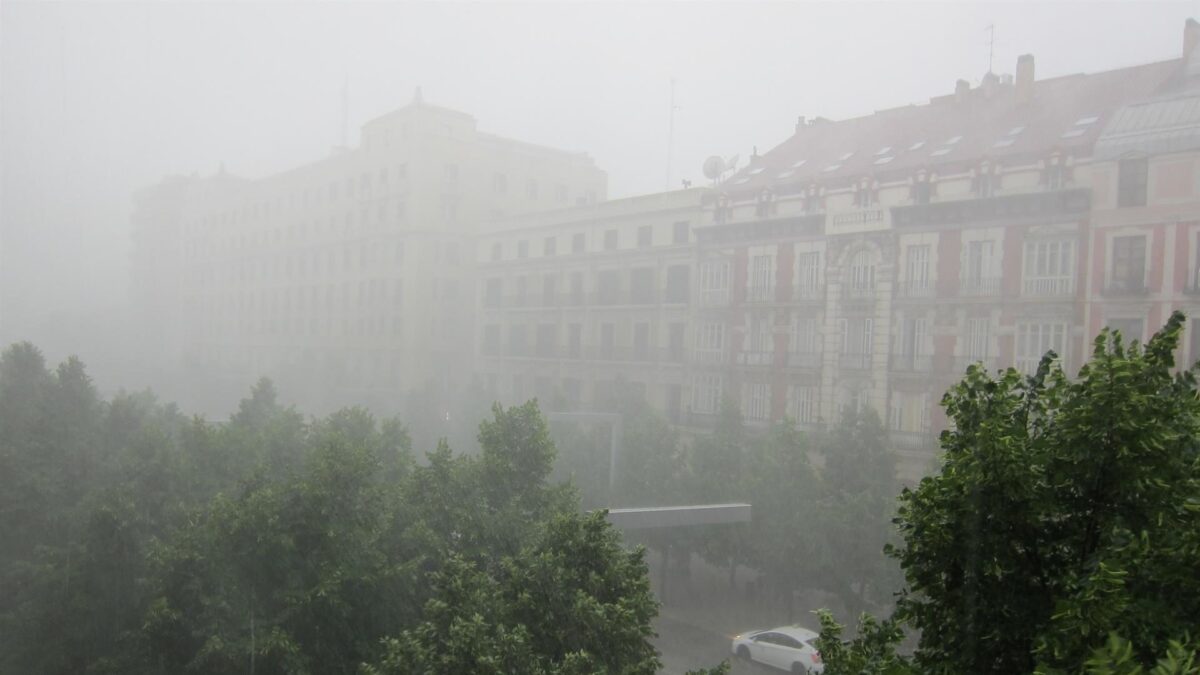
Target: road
686,647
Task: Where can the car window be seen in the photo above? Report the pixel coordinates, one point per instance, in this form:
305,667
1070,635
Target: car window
769,638
788,641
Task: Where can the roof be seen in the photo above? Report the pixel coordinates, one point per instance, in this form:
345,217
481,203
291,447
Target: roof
988,122
1158,125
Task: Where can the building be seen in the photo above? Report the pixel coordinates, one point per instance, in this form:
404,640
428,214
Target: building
869,261
581,305
347,279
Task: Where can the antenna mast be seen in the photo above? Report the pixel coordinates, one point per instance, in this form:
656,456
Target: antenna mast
991,44
671,135
345,108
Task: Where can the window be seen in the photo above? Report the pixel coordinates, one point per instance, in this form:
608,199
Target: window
641,286
808,273
762,277
643,236
578,242
914,350
756,401
641,340
521,294
492,294
803,403
706,394
549,297
864,196
607,339
560,193
862,273
1053,177
804,336
675,341
545,339
1128,263
517,345
917,267
608,285
710,343
985,184
491,340
1049,267
1131,182
680,232
499,183
977,341
677,283
575,340
610,240
979,275
714,282
549,246
760,343
577,288
1130,329
531,189
921,192
1035,339
523,249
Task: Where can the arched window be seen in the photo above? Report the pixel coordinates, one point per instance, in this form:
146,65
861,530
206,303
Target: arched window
862,271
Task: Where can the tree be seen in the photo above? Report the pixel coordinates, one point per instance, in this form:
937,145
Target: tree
572,601
1062,533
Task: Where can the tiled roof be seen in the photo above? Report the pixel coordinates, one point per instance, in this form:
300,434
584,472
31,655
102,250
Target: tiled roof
1163,124
954,132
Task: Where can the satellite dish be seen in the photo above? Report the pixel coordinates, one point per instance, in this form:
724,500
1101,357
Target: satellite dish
713,167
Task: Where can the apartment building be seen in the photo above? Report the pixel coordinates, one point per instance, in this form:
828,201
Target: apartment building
579,306
868,262
347,279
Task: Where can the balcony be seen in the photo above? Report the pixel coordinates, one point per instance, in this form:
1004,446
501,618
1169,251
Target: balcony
1048,287
921,363
961,363
979,286
755,358
855,360
760,294
714,297
711,356
808,293
912,440
796,359
915,289
857,293
1125,288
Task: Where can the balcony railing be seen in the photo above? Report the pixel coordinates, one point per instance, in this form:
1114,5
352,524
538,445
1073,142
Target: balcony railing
856,360
912,362
808,293
804,359
760,293
1047,287
856,292
714,297
961,363
1119,288
979,286
755,358
912,440
709,355
915,288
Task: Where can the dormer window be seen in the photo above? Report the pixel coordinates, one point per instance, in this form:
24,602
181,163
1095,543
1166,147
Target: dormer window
766,204
985,182
922,190
864,195
812,201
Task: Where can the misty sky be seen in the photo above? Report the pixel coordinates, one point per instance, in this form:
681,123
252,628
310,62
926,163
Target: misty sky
99,99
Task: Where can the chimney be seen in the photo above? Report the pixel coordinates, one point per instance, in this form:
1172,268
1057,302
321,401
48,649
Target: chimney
960,90
799,123
989,84
1191,38
1024,83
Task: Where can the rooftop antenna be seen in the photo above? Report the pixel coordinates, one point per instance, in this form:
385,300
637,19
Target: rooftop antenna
345,107
991,44
671,134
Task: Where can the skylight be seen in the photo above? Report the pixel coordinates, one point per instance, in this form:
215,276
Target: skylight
846,156
1004,143
953,140
755,171
832,167
1085,121
916,146
1074,133
1015,130
883,160
798,163
786,174
743,179
883,151
941,151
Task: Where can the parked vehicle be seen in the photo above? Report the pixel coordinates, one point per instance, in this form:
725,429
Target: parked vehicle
788,648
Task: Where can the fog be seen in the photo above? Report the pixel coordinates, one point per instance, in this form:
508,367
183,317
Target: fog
390,316
101,99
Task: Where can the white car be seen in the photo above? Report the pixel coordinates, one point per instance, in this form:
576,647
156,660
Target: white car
788,648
